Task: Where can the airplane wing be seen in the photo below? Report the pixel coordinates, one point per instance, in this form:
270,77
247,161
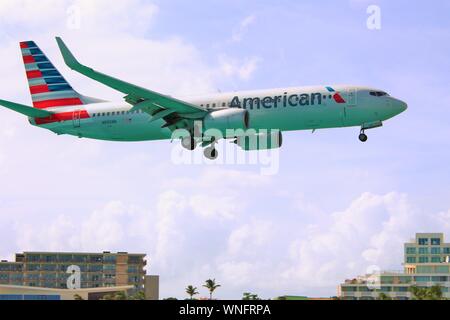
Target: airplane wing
175,112
26,110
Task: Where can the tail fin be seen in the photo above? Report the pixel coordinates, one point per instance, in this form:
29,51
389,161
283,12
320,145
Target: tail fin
48,87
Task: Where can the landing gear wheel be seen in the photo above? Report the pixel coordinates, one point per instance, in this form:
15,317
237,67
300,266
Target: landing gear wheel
211,153
189,143
362,137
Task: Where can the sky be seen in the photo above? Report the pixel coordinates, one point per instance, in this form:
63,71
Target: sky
334,208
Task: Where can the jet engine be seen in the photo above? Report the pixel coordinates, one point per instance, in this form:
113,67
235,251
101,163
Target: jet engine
260,141
232,118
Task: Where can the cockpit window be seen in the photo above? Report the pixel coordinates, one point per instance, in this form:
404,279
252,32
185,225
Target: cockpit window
378,93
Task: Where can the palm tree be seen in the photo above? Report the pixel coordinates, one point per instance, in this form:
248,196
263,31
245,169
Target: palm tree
211,285
433,293
384,296
250,296
140,295
191,291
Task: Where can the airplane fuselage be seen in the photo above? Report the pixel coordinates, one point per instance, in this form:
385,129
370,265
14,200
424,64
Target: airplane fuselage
286,109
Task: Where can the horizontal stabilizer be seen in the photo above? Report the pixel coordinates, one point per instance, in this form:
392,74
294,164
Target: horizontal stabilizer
26,110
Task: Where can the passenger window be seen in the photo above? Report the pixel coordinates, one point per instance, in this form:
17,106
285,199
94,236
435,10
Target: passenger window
103,114
223,104
213,105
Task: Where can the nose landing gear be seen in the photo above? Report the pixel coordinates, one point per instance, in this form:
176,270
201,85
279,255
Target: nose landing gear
362,136
366,126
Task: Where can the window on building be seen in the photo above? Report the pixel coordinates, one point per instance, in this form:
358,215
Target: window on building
436,259
33,257
95,267
423,259
442,269
48,267
423,250
435,241
5,267
80,258
423,241
410,259
65,257
411,250
109,267
32,267
134,259
446,250
422,279
132,269
439,279
49,258
404,279
436,250
424,269
110,259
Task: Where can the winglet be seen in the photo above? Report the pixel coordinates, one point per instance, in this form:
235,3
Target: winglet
69,58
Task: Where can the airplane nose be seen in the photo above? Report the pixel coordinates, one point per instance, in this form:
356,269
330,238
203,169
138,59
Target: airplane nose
399,105
402,105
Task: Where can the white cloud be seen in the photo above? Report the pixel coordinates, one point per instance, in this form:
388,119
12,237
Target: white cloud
246,237
371,231
241,30
208,207
243,70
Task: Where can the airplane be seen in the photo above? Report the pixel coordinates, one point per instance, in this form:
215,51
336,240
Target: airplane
148,115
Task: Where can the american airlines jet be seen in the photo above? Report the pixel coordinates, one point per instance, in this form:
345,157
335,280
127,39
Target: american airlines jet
149,115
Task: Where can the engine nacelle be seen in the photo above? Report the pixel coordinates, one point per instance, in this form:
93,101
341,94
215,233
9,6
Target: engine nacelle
232,118
260,141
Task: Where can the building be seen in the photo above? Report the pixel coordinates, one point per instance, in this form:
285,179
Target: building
426,263
300,298
96,270
151,286
8,292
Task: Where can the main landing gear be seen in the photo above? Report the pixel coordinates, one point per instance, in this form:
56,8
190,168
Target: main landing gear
189,143
210,152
